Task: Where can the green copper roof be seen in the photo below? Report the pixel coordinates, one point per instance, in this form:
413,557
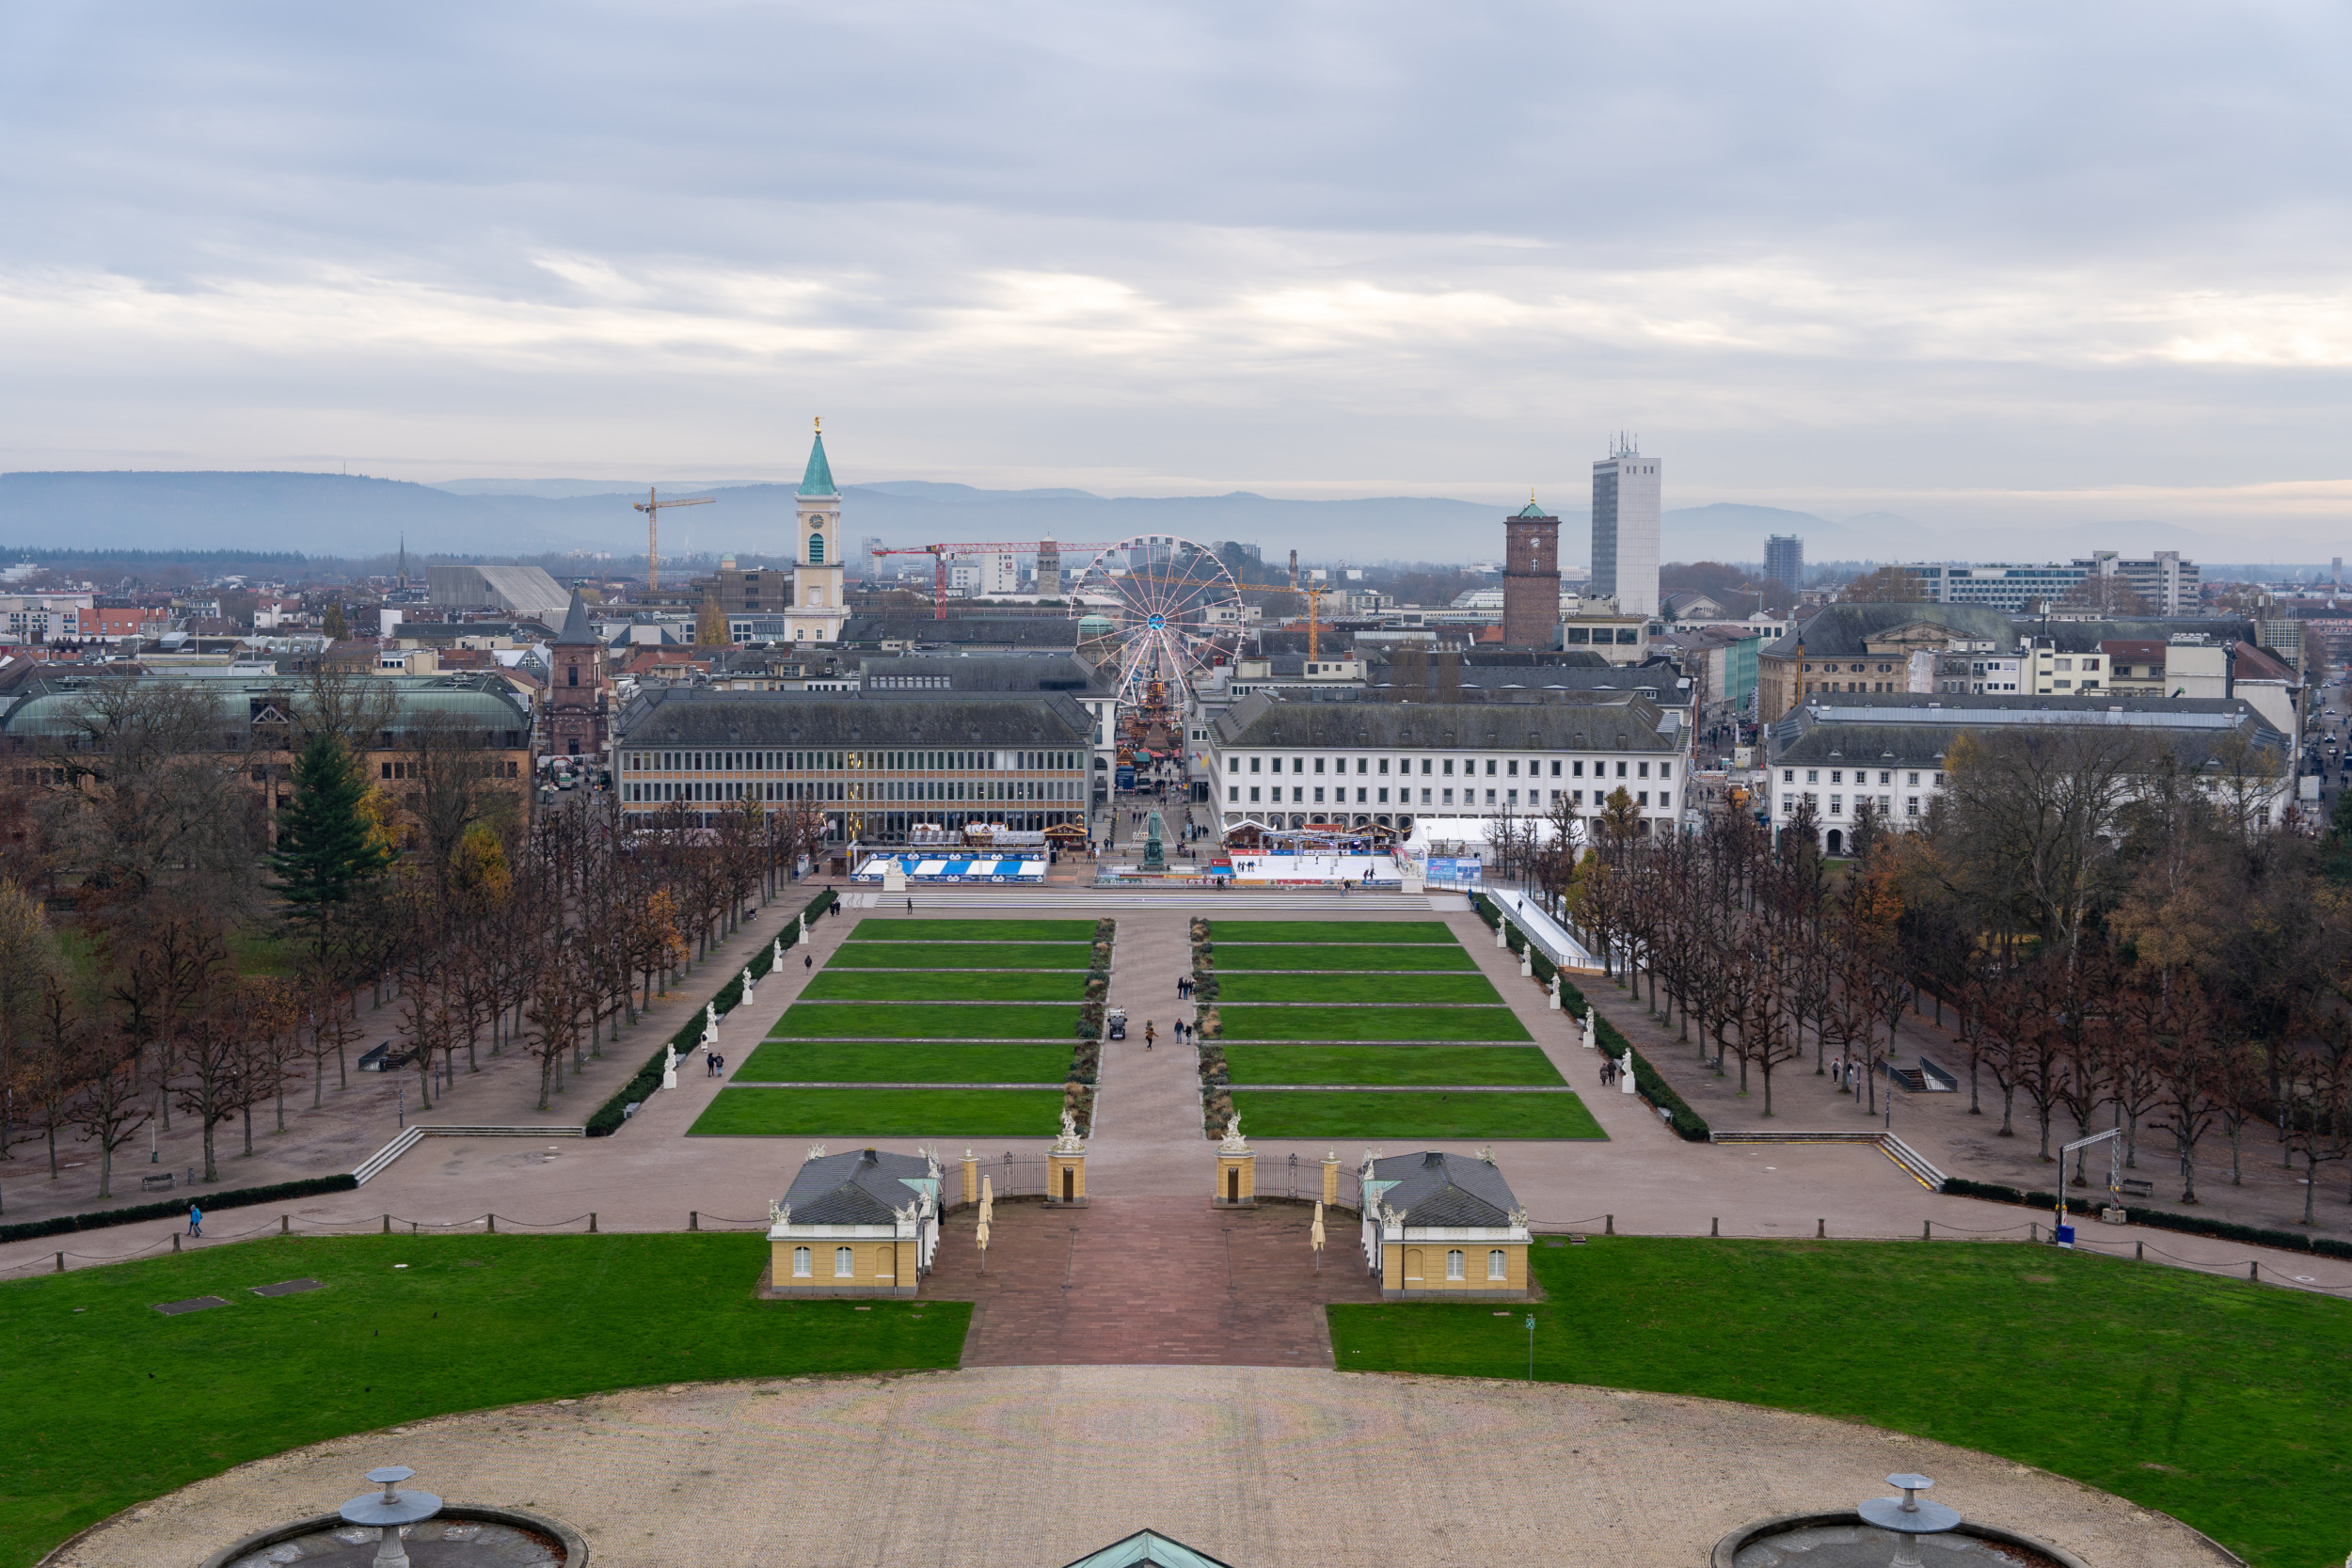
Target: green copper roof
818,480
1531,510
1147,1549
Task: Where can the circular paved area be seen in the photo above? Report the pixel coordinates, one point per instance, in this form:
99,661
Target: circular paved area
1030,1467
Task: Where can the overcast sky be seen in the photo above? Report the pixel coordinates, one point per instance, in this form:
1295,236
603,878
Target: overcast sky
2012,263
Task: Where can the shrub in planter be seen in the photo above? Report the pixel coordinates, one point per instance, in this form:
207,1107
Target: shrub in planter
1204,988
1211,1025
1105,929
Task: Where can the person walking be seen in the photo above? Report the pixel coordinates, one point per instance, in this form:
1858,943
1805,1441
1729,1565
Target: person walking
910,906
196,1222
1148,1034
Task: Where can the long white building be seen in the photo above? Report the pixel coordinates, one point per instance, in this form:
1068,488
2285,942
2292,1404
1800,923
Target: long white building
1295,764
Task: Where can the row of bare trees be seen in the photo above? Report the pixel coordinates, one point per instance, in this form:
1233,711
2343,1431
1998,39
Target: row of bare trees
2110,940
160,958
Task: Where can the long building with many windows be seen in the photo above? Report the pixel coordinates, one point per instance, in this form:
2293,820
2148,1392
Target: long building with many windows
874,766
1293,764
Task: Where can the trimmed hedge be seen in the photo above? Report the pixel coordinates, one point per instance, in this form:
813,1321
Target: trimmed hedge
641,1088
235,1197
1688,1124
2158,1219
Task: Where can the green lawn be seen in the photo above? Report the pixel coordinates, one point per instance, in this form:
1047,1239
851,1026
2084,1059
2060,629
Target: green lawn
903,1062
1368,1024
1345,955
883,1112
891,928
2213,1399
117,1403
1433,931
1390,1064
1400,990
917,1021
1432,1116
832,985
920,955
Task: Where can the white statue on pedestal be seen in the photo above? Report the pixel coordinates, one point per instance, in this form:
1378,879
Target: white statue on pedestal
1592,1030
1625,1085
804,924
1554,988
775,959
669,1067
1233,1143
747,982
710,1023
1069,1142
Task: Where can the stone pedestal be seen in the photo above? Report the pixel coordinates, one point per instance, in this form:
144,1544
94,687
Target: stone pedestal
894,876
971,1178
1237,1179
1502,933
1415,884
1331,1179
1552,996
1526,959
1066,1177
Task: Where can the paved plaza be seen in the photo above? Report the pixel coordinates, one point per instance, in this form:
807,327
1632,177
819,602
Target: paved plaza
1030,1467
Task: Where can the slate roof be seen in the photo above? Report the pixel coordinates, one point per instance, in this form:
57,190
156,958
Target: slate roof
1570,721
576,632
864,1186
1916,729
1009,631
701,716
1839,630
1446,1189
981,673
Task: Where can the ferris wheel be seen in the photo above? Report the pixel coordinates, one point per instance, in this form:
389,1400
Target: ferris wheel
1171,608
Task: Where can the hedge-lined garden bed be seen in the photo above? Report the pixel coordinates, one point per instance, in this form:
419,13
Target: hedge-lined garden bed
1688,1124
610,1116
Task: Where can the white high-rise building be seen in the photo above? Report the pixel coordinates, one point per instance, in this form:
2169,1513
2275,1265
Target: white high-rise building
1000,573
1626,520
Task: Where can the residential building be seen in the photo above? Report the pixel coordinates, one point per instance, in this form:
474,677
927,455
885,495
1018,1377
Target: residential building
1443,1225
2164,583
1626,516
1848,647
1783,560
860,1224
47,617
2135,665
1364,764
1531,578
872,764
1892,751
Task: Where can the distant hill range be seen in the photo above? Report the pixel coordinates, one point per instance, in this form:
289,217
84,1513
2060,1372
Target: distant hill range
337,515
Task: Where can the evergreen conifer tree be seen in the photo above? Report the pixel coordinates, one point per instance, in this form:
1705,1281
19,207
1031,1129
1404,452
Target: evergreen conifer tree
326,845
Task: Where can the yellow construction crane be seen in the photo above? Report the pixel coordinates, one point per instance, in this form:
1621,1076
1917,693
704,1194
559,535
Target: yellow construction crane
1313,592
652,506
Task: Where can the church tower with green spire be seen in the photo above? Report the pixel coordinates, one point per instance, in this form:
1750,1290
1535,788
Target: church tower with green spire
817,611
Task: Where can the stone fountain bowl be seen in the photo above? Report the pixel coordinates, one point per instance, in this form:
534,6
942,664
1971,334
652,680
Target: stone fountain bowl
1843,1539
460,1536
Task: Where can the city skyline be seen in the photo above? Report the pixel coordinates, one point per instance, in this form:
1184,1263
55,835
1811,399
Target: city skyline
1981,268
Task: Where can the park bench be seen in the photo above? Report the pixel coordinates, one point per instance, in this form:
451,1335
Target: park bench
157,1183
2136,1186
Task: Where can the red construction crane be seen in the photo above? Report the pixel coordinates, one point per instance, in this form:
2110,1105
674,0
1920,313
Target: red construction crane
941,553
